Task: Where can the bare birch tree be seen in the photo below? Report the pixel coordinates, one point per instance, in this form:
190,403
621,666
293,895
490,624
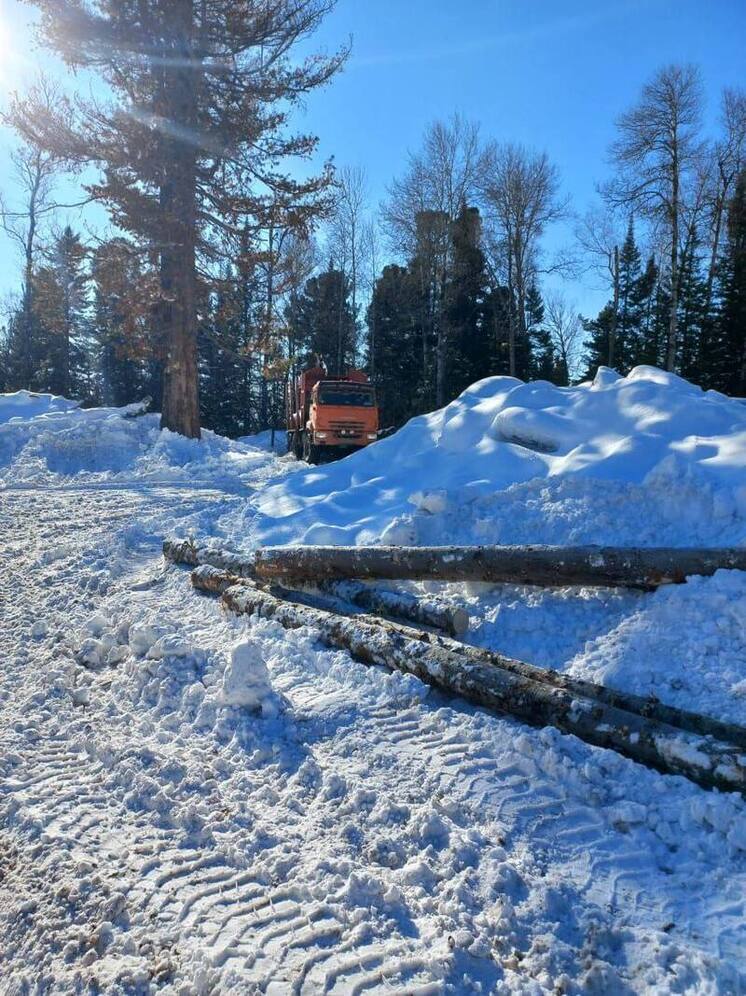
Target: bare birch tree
347,238
657,154
599,235
521,191
420,210
729,155
563,323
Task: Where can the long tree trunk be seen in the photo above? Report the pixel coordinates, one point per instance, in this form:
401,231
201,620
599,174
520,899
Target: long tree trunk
26,370
218,581
441,345
549,566
512,311
615,312
670,749
178,278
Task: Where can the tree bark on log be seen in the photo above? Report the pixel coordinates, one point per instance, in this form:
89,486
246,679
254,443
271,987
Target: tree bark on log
186,551
550,566
702,759
398,605
217,581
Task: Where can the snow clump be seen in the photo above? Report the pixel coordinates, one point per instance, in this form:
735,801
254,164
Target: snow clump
246,682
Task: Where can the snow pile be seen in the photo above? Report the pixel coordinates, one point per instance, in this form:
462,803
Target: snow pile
694,634
25,405
50,440
647,459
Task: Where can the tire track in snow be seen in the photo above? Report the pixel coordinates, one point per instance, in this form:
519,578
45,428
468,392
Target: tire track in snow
287,892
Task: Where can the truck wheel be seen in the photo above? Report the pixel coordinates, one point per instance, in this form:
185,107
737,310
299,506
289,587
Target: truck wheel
310,452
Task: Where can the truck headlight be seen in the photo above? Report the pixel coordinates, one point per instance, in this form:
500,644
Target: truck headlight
372,436
321,435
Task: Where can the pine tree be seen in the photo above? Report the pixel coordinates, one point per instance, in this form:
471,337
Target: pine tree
647,344
628,319
62,344
191,145
732,315
694,360
397,345
542,362
123,292
231,353
471,351
322,320
596,344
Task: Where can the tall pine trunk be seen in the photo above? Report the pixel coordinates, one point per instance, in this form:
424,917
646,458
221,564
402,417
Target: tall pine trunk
180,410
615,312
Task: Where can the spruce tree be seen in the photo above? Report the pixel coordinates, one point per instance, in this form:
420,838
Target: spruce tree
541,364
63,348
190,145
628,319
397,345
122,293
322,321
732,280
470,353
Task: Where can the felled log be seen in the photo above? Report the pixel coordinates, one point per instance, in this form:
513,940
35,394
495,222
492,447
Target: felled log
217,581
549,566
192,554
399,605
702,759
648,708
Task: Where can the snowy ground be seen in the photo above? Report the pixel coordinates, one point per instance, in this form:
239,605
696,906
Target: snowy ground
192,803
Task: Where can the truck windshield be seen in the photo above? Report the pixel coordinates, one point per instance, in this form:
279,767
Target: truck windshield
342,394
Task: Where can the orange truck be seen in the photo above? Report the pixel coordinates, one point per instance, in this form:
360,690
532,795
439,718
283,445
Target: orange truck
328,417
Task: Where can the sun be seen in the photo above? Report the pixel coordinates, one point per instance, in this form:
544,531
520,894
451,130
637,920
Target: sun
15,65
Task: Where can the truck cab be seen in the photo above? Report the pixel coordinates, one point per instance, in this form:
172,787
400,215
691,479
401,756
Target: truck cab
331,416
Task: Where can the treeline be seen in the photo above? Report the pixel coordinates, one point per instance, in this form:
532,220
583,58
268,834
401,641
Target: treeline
443,284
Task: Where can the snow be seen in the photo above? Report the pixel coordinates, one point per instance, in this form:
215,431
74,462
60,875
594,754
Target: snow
646,459
57,442
192,802
246,681
24,405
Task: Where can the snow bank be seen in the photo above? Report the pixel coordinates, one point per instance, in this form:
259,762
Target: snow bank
25,405
47,440
648,458
263,441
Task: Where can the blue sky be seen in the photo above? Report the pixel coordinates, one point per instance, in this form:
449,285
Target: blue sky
553,74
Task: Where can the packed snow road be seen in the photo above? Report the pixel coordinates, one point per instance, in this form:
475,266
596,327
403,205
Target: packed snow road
194,804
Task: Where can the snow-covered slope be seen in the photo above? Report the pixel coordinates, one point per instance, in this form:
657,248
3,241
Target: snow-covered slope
647,459
48,440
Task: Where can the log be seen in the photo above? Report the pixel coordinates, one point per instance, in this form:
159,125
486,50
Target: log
398,605
187,551
704,760
549,566
217,581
